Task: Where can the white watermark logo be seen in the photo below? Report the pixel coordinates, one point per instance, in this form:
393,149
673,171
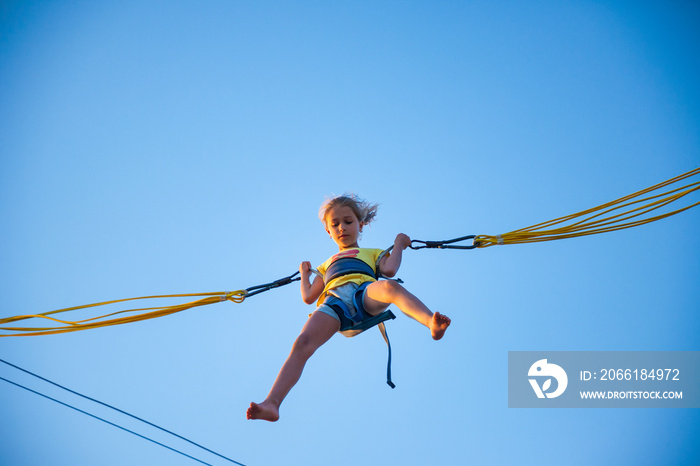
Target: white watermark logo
542,369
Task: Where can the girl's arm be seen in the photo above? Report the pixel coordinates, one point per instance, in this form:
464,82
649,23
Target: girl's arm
310,291
390,264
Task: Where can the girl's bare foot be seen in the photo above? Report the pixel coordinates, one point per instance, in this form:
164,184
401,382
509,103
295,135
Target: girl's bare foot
438,325
266,411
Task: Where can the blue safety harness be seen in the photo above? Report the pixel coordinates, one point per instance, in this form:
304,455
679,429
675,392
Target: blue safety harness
354,324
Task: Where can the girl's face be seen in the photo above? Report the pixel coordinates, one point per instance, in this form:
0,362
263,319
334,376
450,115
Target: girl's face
343,226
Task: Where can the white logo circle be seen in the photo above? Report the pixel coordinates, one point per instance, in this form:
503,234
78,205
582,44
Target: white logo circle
544,369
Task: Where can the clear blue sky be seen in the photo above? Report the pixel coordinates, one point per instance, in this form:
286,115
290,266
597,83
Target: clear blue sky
151,147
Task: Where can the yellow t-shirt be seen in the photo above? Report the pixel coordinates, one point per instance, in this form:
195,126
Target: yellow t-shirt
366,255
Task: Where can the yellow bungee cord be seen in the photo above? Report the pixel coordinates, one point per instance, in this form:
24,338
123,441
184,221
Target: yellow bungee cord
96,322
140,314
622,213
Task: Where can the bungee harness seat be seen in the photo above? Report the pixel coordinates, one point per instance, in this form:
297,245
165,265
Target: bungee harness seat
354,324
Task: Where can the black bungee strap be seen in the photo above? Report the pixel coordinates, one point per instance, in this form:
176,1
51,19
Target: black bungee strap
447,244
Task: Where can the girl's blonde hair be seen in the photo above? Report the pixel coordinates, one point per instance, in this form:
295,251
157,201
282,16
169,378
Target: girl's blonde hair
364,211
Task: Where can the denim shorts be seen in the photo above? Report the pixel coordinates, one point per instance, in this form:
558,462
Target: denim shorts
344,293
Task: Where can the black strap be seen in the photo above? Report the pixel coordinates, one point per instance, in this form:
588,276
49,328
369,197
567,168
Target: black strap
346,266
253,290
382,328
445,244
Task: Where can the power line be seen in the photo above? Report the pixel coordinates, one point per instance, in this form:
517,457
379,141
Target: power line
115,409
101,419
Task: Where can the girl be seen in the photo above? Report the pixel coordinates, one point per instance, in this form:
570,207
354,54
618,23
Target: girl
348,277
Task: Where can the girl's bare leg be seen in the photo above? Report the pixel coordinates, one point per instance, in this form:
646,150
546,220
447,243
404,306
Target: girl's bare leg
318,329
381,294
